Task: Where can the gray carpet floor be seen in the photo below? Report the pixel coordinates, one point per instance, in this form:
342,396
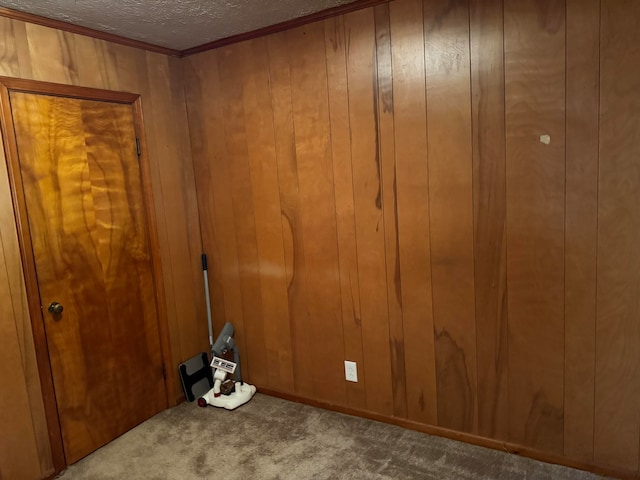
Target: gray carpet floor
270,438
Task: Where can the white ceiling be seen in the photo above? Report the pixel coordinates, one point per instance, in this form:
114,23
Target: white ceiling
177,24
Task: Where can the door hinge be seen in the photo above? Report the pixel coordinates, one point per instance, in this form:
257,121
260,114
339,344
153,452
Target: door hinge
138,149
164,371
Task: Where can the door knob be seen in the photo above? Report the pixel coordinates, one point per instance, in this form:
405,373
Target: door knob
55,308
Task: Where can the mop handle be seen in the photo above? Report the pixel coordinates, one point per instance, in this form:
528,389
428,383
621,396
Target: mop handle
208,300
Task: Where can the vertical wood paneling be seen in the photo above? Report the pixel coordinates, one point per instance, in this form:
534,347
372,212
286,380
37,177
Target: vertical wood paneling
40,53
617,383
583,42
335,51
55,54
291,215
8,57
387,158
94,70
310,102
183,193
266,204
215,202
451,210
489,201
24,448
18,444
155,150
231,81
367,189
535,100
19,33
128,61
172,184
176,202
412,275
422,219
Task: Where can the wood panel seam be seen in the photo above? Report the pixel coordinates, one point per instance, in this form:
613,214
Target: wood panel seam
506,210
335,203
595,323
426,115
476,415
564,245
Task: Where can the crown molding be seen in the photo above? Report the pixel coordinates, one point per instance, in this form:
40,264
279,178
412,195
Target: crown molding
282,26
89,32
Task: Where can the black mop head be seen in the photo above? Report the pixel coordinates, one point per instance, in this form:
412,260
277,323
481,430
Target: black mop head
196,376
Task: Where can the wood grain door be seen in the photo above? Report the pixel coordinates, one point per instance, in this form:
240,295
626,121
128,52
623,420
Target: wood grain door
79,166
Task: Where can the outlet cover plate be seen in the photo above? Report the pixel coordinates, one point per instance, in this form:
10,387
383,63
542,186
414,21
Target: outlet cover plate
350,371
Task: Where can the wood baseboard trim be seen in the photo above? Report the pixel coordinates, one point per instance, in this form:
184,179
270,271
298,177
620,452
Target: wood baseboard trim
508,447
286,25
86,31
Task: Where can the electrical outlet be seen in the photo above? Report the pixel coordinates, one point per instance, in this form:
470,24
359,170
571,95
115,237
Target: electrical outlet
351,371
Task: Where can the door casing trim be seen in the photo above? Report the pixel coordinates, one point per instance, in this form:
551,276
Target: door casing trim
8,85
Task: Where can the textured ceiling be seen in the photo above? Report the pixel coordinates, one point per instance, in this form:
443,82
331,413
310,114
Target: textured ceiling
177,24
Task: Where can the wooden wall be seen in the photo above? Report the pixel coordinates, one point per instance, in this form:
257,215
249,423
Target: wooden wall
35,52
445,192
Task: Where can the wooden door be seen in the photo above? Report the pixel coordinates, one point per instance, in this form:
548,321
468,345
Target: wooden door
81,178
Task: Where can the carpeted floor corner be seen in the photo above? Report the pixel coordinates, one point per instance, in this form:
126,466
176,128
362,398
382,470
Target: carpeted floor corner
270,438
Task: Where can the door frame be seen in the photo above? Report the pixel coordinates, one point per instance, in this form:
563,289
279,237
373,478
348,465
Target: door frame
36,313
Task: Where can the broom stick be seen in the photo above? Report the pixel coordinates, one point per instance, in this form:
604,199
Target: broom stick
208,301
